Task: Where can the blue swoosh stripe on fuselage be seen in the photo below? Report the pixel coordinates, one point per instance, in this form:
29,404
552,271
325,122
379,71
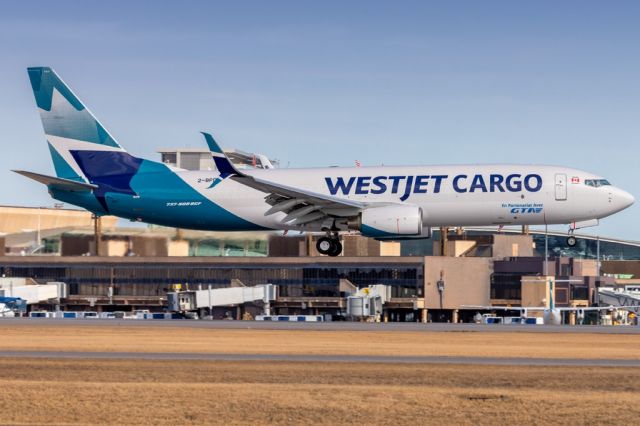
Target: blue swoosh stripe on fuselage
86,200
159,191
158,188
112,171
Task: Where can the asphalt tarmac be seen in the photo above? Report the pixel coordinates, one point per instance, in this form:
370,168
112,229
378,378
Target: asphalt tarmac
325,358
328,326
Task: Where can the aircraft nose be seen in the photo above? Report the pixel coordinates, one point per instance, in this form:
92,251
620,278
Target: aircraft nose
623,199
628,199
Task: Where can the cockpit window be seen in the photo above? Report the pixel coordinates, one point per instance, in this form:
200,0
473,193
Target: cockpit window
596,183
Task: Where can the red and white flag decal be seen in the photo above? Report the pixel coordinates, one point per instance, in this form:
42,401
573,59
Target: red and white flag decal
358,164
575,179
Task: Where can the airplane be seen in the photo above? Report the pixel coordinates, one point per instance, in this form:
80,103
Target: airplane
94,172
552,315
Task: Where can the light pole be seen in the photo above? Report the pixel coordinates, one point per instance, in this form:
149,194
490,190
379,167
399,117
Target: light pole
440,286
546,249
38,234
598,256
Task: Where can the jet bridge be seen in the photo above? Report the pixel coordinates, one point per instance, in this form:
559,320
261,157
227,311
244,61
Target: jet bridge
17,293
188,301
366,303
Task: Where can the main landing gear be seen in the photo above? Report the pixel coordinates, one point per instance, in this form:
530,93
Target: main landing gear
571,240
329,245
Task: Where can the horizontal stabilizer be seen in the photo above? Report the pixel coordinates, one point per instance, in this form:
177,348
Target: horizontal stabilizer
58,183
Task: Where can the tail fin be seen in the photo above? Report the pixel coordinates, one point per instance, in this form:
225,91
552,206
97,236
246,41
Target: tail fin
70,128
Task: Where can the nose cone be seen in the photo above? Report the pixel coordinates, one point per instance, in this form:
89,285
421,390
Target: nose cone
622,199
626,199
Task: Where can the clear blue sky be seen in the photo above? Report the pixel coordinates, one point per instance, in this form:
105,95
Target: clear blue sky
325,83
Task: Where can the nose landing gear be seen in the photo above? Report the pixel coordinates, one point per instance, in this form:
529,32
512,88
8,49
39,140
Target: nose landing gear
329,245
571,240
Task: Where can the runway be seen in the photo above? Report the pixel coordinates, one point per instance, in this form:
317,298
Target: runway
324,326
331,342
455,360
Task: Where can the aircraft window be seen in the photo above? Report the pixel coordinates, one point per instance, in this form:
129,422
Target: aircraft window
596,183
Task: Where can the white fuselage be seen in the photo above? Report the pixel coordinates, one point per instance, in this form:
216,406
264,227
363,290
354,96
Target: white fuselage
456,195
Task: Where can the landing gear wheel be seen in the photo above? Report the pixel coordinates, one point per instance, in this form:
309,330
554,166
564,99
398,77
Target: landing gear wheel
336,248
324,245
571,241
329,246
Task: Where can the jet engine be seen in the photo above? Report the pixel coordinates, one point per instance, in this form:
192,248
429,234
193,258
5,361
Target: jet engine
388,221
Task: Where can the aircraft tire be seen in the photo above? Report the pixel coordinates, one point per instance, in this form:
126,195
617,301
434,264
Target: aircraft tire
336,248
324,245
571,241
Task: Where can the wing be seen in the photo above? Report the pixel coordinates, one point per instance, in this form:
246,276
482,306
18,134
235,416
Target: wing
301,206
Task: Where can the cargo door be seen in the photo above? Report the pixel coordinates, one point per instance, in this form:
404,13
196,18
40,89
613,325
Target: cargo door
561,187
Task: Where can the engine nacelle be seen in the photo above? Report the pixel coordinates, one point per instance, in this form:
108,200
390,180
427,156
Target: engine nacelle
552,317
389,221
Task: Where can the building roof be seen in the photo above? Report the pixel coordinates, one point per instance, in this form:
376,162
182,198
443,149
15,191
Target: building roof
188,234
559,234
17,219
360,261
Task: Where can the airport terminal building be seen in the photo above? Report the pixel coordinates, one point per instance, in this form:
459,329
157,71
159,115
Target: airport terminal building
67,232
136,268
422,288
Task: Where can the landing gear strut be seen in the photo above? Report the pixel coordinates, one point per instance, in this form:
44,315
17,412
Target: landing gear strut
329,245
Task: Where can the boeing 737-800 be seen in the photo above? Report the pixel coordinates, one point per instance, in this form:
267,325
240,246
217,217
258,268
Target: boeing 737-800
94,172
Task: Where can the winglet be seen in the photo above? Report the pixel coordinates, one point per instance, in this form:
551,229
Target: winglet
213,145
224,166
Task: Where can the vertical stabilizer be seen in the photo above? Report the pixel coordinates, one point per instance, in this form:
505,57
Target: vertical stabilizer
70,128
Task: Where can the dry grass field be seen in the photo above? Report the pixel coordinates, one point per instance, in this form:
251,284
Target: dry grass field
212,392
137,391
399,343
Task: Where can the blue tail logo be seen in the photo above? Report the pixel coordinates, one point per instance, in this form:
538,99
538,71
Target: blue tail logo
81,148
